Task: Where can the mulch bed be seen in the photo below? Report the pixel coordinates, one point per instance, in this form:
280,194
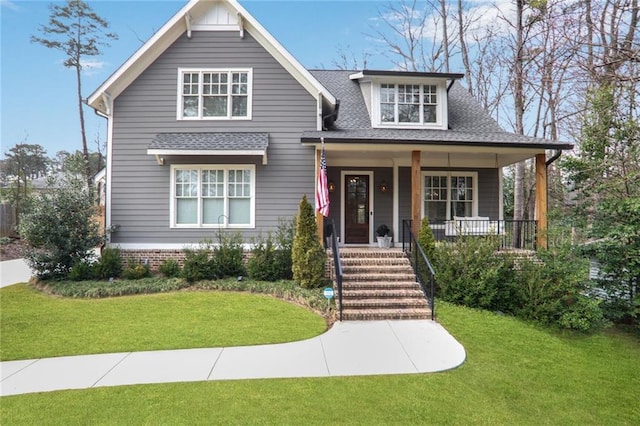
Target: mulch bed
12,250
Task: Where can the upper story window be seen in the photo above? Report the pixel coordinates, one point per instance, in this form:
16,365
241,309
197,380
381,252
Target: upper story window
214,94
408,103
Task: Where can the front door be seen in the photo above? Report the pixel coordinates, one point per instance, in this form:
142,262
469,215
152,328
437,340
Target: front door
356,209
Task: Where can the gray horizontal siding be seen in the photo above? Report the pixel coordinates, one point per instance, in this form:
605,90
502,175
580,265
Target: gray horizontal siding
281,107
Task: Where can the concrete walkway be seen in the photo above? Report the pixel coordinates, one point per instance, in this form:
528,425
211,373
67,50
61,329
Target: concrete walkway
14,271
349,348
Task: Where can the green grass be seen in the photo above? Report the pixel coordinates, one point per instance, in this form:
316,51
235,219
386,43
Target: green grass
515,374
36,325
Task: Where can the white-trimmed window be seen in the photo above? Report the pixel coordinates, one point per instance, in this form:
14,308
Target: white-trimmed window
214,94
213,196
408,105
449,194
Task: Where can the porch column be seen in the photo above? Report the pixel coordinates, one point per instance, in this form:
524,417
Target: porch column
541,200
319,217
415,192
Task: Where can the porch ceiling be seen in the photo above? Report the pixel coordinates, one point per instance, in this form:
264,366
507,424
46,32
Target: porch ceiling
432,155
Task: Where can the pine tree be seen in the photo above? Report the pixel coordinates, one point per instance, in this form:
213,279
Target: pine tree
77,31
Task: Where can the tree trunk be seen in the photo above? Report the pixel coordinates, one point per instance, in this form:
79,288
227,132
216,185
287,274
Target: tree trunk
463,49
85,149
518,100
445,35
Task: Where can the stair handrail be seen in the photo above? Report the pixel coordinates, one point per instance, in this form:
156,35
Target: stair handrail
337,264
418,253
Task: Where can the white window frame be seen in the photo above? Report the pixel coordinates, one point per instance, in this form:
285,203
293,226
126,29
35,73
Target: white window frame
449,174
441,106
229,95
173,211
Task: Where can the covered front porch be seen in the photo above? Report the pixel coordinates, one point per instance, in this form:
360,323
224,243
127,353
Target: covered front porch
459,188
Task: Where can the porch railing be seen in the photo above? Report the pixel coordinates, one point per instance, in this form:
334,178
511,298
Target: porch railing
332,243
425,274
512,234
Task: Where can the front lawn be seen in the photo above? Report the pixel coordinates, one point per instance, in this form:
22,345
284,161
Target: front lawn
515,374
36,325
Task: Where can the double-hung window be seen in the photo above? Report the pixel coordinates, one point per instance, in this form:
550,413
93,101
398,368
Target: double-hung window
449,194
213,196
214,94
408,104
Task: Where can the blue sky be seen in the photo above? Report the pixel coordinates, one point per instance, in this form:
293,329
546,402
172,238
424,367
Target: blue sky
38,103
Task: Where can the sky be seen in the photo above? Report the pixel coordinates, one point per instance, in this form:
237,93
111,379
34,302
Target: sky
38,99
38,103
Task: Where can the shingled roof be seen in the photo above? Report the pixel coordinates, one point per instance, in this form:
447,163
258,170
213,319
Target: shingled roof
469,123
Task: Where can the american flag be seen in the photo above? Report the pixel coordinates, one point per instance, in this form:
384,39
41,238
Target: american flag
322,189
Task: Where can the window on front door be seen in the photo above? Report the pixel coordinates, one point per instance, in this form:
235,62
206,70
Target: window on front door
449,194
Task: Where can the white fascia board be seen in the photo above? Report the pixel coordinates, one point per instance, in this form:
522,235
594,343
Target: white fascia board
290,63
176,26
204,152
159,153
143,57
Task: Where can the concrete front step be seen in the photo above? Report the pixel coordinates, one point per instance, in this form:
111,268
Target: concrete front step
382,314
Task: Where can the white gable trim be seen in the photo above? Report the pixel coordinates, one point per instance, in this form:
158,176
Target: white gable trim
204,14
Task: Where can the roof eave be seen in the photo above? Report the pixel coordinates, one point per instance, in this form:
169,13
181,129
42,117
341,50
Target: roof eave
312,140
177,25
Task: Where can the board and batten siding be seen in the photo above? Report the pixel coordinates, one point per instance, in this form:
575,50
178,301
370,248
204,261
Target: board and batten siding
140,188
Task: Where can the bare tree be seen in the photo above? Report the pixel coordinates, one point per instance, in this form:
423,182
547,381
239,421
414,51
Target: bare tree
77,31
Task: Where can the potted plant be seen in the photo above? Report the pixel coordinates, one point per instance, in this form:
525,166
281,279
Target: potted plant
384,240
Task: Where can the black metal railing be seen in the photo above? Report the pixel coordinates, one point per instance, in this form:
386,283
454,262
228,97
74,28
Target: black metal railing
425,274
512,234
332,243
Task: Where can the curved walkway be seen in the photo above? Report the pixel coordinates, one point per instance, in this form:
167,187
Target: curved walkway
349,348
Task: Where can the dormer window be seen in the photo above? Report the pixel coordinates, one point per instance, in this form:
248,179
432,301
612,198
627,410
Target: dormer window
408,103
406,100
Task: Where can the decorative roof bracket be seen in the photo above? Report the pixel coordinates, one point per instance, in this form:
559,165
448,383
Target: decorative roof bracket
241,25
108,103
187,20
159,160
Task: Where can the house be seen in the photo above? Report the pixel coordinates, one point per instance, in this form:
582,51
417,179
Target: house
213,125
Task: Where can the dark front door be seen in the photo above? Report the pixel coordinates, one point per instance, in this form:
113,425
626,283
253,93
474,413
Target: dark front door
356,209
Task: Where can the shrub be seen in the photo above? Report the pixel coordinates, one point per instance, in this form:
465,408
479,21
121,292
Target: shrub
229,255
109,265
82,271
284,240
471,273
198,263
59,229
426,239
552,291
170,268
308,256
263,263
136,270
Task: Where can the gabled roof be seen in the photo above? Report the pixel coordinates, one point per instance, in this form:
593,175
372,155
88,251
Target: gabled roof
469,123
183,21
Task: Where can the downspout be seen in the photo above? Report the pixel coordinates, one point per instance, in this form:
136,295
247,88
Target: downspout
555,156
450,85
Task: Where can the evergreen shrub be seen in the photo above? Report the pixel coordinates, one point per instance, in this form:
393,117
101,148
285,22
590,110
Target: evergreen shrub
308,256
